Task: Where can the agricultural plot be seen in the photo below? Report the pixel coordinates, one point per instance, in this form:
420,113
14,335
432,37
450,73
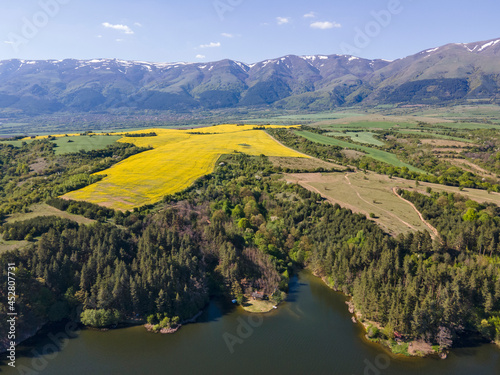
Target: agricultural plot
368,125
372,193
178,158
467,125
365,194
304,163
433,135
74,143
43,209
376,154
361,137
66,145
303,118
463,112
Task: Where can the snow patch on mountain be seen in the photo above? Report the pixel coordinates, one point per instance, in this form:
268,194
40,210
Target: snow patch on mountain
432,50
489,44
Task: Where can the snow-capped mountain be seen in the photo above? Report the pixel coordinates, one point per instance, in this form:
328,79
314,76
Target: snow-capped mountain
451,72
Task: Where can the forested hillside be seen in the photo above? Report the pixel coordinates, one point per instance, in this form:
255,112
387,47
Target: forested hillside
243,229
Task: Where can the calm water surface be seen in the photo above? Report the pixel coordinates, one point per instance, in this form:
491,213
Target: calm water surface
311,333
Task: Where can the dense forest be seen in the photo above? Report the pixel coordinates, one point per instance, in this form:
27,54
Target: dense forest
242,229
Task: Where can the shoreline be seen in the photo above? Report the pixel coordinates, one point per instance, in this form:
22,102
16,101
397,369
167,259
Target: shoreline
413,348
165,330
410,349
258,306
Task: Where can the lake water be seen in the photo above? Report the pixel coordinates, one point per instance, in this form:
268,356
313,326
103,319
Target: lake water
311,333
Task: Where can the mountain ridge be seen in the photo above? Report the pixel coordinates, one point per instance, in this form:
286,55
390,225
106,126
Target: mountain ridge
453,72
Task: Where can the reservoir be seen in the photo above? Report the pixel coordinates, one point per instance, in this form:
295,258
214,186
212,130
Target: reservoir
310,333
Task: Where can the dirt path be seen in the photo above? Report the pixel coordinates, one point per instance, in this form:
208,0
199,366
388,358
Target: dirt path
306,185
433,230
387,212
469,167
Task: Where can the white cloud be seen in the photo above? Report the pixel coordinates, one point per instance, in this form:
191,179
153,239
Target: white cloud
99,36
200,56
282,20
227,35
137,24
210,45
325,25
119,40
123,28
8,42
310,15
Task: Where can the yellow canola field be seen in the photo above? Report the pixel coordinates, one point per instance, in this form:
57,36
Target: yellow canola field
177,160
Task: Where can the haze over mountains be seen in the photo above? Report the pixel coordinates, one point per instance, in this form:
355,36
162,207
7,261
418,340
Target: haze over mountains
451,73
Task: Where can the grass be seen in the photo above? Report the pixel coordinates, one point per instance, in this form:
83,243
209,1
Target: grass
370,125
11,245
361,137
37,210
178,159
487,111
304,118
365,194
44,209
467,125
434,135
66,145
376,154
303,163
257,306
401,349
372,193
74,143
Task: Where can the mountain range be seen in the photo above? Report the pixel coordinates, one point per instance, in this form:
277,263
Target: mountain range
452,73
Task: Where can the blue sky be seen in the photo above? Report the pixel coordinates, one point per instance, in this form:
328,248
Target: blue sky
244,30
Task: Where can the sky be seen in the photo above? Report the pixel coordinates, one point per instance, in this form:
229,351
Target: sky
242,30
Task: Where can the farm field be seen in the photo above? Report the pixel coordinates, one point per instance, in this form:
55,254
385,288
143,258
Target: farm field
462,112
433,135
178,158
370,192
467,125
44,209
37,210
376,154
11,245
361,137
304,118
66,145
365,196
303,163
74,143
381,125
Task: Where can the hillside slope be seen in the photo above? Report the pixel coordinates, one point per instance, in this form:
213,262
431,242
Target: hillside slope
454,72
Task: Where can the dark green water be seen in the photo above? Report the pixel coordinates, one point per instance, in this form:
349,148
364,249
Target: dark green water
311,333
